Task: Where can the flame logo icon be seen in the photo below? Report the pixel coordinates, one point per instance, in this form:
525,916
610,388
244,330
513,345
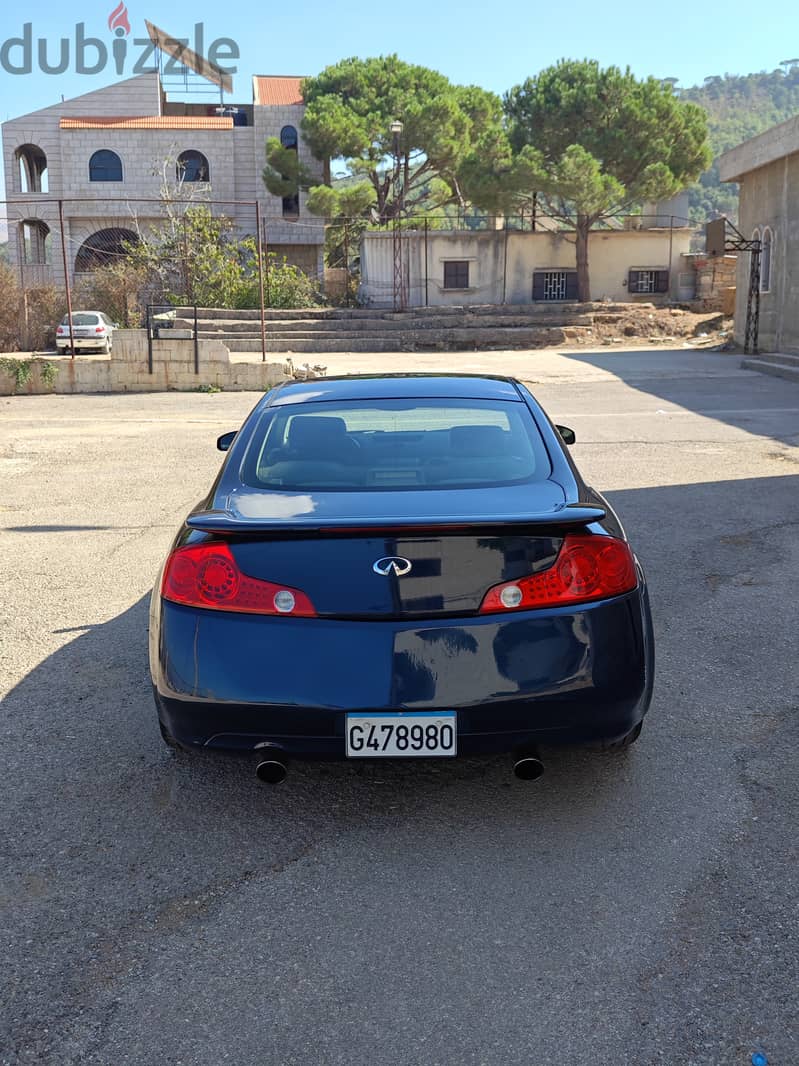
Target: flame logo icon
118,20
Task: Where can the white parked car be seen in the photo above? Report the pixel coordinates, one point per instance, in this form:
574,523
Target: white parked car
91,330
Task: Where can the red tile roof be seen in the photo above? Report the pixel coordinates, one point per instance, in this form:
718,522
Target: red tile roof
272,91
149,122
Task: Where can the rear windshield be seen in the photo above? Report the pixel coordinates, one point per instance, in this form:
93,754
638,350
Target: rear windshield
81,319
395,444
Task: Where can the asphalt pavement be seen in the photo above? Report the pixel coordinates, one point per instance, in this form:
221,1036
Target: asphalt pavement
632,909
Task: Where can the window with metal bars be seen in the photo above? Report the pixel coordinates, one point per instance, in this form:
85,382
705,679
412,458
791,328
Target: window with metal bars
648,281
555,285
456,274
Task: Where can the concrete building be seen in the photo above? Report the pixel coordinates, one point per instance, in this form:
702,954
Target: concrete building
467,267
767,168
105,153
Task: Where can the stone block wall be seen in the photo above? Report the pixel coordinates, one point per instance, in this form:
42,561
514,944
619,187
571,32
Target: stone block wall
126,370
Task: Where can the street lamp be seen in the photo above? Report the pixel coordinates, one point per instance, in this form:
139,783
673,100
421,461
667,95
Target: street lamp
399,273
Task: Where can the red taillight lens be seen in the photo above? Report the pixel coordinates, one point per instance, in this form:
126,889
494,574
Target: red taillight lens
588,567
206,575
61,329
99,329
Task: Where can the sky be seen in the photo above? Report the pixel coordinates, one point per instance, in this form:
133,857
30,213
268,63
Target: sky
471,42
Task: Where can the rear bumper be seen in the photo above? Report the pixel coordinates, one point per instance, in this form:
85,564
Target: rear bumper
551,677
84,342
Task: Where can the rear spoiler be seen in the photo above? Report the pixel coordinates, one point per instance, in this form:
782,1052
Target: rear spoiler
568,516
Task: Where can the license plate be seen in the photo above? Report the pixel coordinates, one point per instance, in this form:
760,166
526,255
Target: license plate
371,735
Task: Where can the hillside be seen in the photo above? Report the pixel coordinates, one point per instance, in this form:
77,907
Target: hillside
738,107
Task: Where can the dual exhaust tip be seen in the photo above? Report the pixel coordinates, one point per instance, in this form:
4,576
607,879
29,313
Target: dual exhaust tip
528,766
271,767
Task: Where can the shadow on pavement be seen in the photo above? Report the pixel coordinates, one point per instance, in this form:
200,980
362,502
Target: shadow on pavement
112,843
755,402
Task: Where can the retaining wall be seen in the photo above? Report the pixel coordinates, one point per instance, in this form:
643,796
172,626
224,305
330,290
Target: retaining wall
126,369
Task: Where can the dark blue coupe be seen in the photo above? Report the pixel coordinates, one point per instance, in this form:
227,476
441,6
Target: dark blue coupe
402,566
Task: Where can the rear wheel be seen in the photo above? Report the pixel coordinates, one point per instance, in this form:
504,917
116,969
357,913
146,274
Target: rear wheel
106,348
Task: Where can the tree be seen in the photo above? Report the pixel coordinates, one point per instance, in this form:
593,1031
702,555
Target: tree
349,111
595,142
284,175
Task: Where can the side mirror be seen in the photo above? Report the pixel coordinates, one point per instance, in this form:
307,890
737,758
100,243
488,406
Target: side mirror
224,442
569,436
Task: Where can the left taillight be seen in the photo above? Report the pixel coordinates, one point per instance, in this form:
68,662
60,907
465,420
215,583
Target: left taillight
588,567
207,575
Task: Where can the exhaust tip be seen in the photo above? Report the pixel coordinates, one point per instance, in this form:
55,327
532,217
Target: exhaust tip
528,768
270,771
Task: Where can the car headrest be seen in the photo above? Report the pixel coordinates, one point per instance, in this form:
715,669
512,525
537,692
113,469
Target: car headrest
316,433
484,441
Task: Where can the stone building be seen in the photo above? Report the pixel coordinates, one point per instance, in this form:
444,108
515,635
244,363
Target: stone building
107,152
767,168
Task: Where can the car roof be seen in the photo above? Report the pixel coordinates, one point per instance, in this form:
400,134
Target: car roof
396,386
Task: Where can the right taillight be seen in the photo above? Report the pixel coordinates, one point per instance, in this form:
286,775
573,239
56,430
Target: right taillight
207,575
588,567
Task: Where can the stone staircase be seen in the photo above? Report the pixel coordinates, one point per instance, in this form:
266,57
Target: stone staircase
779,366
328,329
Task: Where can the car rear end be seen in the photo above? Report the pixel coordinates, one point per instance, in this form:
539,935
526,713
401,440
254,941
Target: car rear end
91,331
432,591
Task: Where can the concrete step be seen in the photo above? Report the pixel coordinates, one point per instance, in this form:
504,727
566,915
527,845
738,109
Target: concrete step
782,358
220,328
406,341
778,366
469,334
556,312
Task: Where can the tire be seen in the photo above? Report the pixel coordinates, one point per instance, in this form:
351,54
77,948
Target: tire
622,744
106,349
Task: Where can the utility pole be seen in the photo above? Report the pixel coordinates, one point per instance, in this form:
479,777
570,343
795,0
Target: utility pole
719,241
400,292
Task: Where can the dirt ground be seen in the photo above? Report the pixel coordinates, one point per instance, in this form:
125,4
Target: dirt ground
649,324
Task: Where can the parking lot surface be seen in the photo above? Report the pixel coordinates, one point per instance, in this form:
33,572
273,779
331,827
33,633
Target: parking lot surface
635,909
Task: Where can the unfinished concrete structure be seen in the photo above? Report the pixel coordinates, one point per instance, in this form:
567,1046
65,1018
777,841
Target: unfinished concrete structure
103,154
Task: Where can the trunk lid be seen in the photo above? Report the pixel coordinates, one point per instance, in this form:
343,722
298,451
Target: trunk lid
409,575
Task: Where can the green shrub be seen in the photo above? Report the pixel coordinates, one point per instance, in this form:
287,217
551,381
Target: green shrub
9,310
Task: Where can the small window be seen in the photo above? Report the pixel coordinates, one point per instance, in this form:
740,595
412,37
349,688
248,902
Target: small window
290,141
555,285
456,274
766,249
648,282
193,166
105,166
288,137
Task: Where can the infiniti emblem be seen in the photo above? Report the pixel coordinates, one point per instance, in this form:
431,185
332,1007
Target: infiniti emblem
392,564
